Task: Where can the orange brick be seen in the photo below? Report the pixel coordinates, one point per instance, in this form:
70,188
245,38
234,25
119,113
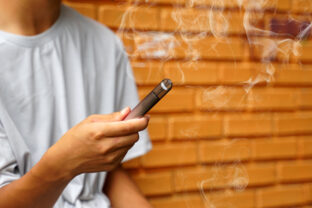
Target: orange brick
305,98
134,163
218,4
191,127
172,101
114,16
309,194
167,46
128,41
293,123
302,6
293,77
235,73
212,48
170,155
196,179
184,201
248,74
199,20
281,196
277,148
290,67
284,5
157,128
295,171
86,9
272,98
242,199
159,46
155,184
147,72
222,151
162,2
269,48
221,98
181,19
127,16
305,146
305,51
260,174
260,5
254,23
235,21
236,176
192,73
248,125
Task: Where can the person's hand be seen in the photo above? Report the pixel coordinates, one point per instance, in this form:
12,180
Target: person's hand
98,143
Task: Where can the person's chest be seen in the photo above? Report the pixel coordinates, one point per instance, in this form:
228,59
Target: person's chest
47,90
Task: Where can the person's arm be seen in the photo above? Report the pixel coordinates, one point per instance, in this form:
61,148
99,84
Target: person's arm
98,143
123,192
40,187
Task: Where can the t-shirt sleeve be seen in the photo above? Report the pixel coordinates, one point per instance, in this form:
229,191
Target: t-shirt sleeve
127,95
8,165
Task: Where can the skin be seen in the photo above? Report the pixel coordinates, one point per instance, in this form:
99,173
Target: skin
98,143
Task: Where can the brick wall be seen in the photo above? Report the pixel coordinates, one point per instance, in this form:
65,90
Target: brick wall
236,130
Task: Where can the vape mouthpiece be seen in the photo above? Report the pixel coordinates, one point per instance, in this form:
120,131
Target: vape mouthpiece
151,99
163,88
166,84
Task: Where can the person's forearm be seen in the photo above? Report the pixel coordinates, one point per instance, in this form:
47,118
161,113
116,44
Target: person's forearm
123,192
96,144
40,187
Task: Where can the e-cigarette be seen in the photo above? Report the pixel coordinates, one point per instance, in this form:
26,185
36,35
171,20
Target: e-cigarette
151,99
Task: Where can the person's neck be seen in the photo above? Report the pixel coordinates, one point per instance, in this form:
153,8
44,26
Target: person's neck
28,17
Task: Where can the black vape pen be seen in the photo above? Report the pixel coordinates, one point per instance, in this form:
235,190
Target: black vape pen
151,99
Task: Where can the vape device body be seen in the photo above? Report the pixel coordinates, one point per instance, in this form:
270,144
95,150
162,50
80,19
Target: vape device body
151,99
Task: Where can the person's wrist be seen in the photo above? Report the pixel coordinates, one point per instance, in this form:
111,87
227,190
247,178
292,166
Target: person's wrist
53,168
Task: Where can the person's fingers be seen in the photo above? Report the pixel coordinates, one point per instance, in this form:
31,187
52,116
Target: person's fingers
116,116
112,144
117,155
121,128
124,112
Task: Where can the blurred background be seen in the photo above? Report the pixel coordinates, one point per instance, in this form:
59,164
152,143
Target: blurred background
236,130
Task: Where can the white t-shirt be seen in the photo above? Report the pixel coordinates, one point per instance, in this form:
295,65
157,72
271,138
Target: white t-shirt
52,81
